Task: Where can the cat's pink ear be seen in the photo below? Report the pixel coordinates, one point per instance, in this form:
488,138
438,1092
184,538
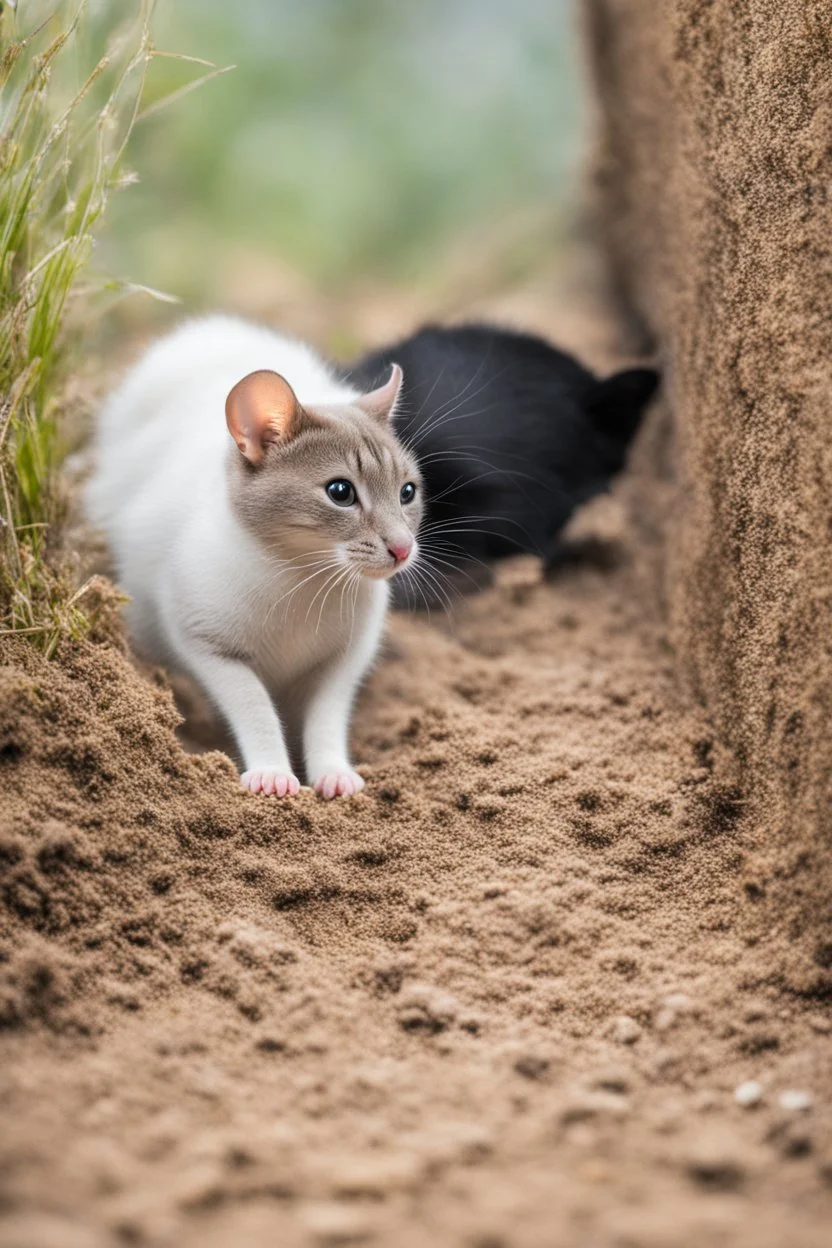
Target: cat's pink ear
262,408
381,403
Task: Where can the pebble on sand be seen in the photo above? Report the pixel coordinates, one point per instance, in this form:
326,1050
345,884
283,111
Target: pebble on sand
627,1030
675,1006
795,1100
749,1093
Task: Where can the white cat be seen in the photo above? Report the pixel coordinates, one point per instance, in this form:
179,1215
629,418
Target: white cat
257,562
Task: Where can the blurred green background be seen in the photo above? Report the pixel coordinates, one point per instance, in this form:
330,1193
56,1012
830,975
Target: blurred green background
355,140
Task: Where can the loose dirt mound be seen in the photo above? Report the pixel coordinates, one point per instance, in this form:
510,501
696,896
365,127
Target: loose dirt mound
503,997
713,178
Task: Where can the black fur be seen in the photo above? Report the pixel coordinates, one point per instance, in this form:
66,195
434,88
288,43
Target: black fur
512,435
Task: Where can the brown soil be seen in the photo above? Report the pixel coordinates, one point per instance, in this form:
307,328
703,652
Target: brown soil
504,997
712,178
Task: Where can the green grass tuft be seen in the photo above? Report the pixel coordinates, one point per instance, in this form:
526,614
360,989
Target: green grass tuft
71,82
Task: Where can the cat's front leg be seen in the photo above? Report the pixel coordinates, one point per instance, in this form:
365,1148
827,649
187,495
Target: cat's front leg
327,717
242,700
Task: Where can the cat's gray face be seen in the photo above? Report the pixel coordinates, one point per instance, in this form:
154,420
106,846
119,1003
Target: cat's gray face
336,488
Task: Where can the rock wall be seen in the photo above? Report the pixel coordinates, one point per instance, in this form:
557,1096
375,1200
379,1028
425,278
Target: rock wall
712,184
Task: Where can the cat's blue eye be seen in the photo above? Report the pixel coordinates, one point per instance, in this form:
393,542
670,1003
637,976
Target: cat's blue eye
408,492
341,492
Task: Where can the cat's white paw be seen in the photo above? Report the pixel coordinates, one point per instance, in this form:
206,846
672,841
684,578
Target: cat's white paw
344,783
271,782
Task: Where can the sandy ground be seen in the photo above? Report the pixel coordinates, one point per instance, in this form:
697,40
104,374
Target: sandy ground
502,999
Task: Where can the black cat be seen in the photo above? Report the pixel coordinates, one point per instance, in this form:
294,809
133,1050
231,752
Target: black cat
511,434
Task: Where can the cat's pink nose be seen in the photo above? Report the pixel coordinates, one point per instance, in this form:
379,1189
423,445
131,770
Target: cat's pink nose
400,550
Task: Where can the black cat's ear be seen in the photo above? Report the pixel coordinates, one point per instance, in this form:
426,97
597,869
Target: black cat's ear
617,403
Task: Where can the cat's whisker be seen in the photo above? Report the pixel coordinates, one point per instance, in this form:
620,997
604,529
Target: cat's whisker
446,415
405,439
436,422
338,581
333,576
291,592
355,585
440,593
475,459
467,447
473,517
321,566
433,577
308,554
460,396
451,548
412,442
429,394
522,547
503,537
432,557
445,526
421,576
451,417
415,583
463,481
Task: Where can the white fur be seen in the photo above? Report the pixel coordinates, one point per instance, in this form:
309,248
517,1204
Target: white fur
202,588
